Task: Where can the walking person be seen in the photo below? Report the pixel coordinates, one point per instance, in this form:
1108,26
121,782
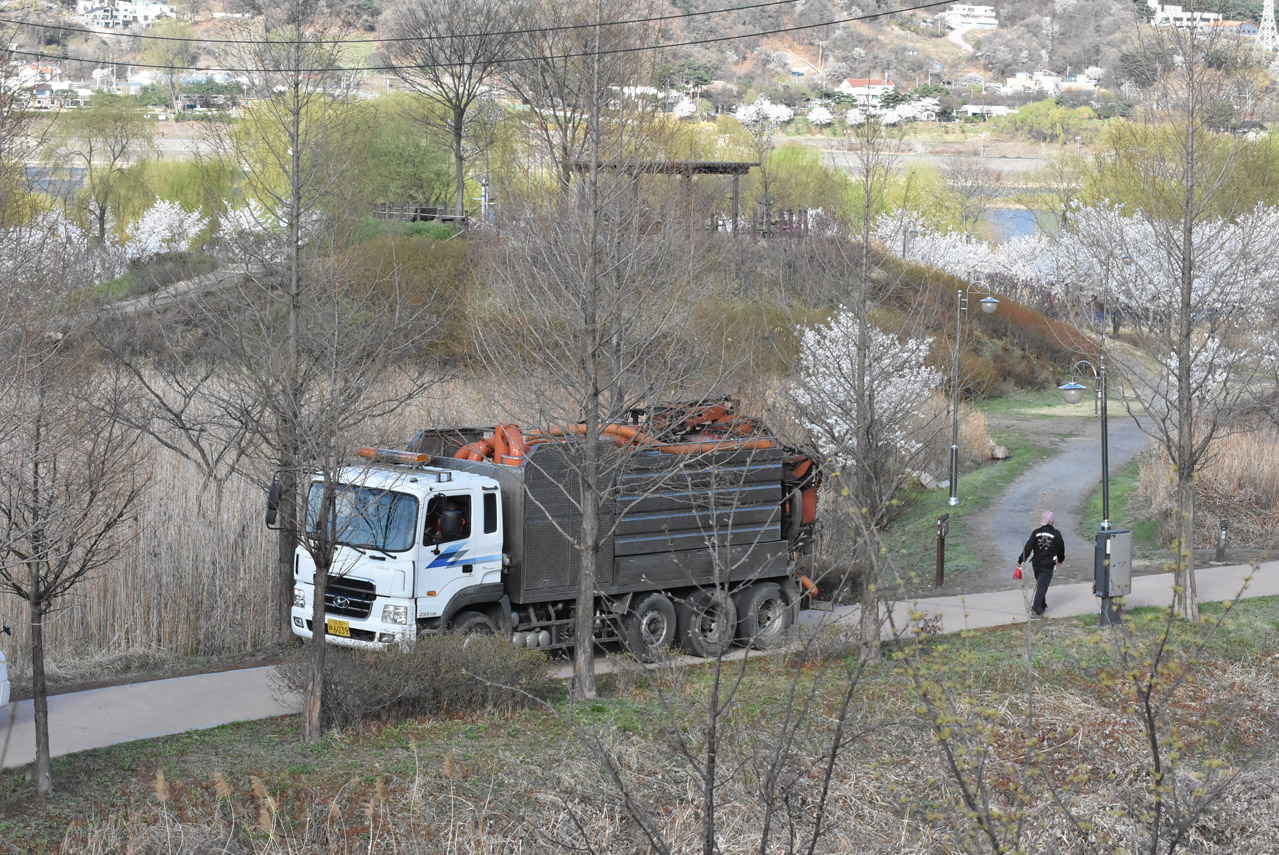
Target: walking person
1045,549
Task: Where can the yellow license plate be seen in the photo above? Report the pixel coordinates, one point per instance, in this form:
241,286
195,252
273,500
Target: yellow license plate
339,627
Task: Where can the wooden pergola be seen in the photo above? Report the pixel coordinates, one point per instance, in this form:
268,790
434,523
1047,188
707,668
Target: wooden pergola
686,169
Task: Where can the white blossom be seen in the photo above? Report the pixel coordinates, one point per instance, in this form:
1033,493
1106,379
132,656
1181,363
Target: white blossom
684,109
165,227
819,116
856,116
825,392
763,114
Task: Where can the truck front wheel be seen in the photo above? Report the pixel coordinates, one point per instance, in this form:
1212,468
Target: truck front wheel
469,623
650,626
763,616
708,622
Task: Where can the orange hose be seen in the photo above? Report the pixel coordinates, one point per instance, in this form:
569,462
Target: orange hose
808,585
477,450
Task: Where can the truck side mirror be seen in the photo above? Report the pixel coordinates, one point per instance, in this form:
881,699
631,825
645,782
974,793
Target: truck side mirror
451,525
272,504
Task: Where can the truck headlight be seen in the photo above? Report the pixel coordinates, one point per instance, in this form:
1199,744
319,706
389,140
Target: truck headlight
299,598
395,614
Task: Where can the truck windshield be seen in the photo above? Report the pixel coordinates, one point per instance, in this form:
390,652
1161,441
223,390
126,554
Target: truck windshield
368,518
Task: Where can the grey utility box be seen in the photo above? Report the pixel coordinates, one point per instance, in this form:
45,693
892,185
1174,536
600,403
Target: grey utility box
1112,564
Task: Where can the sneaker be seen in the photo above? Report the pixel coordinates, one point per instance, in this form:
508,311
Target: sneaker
1034,613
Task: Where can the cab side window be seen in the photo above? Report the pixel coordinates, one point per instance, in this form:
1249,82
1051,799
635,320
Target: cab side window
448,518
490,513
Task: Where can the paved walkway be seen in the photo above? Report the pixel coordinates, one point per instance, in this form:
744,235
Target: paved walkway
102,717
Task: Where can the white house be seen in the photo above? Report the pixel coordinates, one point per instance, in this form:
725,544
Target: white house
963,16
1175,16
1039,81
122,14
867,91
990,111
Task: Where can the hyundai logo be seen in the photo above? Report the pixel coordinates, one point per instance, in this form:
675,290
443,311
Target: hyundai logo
341,603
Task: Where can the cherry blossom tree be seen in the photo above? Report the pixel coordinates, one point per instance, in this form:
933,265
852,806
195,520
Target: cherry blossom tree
891,430
820,116
860,393
685,109
762,119
165,227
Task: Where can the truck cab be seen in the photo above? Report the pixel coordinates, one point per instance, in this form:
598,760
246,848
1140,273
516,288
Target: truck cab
415,546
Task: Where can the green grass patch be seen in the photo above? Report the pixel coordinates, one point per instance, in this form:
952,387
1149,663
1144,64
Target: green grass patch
1127,508
1029,403
116,289
911,540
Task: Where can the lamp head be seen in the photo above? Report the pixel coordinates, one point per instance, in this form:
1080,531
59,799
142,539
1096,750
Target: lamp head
1072,392
989,305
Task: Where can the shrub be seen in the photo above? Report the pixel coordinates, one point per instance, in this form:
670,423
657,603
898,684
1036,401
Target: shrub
440,674
439,231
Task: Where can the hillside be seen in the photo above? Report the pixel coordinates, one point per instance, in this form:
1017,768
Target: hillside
797,57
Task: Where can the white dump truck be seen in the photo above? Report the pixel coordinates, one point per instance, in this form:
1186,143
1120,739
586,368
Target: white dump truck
709,523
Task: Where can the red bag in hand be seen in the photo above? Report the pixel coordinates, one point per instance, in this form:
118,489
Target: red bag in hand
1017,572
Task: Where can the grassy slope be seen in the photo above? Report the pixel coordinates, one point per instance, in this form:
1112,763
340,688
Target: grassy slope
495,777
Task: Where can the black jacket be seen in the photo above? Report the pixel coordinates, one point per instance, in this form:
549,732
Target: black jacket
1043,547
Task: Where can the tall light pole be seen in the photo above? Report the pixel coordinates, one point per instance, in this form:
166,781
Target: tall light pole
988,305
1112,556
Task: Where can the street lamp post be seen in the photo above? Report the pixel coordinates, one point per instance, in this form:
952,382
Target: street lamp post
1112,556
906,234
988,305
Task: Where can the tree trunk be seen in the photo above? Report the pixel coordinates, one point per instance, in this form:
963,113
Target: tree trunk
39,687
588,542
286,545
311,704
459,163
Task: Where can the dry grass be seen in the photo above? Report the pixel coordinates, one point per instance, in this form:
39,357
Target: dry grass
197,575
527,784
1239,483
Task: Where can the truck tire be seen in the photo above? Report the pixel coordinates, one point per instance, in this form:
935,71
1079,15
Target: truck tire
707,622
763,616
650,626
469,623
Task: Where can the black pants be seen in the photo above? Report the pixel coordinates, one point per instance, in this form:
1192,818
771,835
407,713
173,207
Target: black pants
1043,578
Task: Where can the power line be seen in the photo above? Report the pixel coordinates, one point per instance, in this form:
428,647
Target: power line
67,28
506,61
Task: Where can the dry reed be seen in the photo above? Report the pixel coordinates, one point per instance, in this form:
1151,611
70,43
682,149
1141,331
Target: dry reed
1238,483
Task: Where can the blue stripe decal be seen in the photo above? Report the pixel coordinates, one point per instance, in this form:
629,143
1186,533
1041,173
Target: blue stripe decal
457,555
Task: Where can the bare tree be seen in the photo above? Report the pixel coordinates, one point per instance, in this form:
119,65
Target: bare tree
1181,251
574,59
69,480
450,51
274,365
974,186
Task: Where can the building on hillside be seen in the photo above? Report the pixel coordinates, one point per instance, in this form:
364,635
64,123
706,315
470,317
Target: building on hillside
867,91
986,111
963,16
1038,81
1243,28
123,14
1176,16
1077,83
20,75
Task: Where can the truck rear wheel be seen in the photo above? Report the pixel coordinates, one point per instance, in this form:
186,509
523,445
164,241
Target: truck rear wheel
650,626
763,616
708,622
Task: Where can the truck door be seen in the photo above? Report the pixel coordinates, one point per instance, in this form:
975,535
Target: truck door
462,539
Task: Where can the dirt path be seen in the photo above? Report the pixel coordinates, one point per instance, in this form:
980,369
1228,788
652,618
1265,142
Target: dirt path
1060,482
